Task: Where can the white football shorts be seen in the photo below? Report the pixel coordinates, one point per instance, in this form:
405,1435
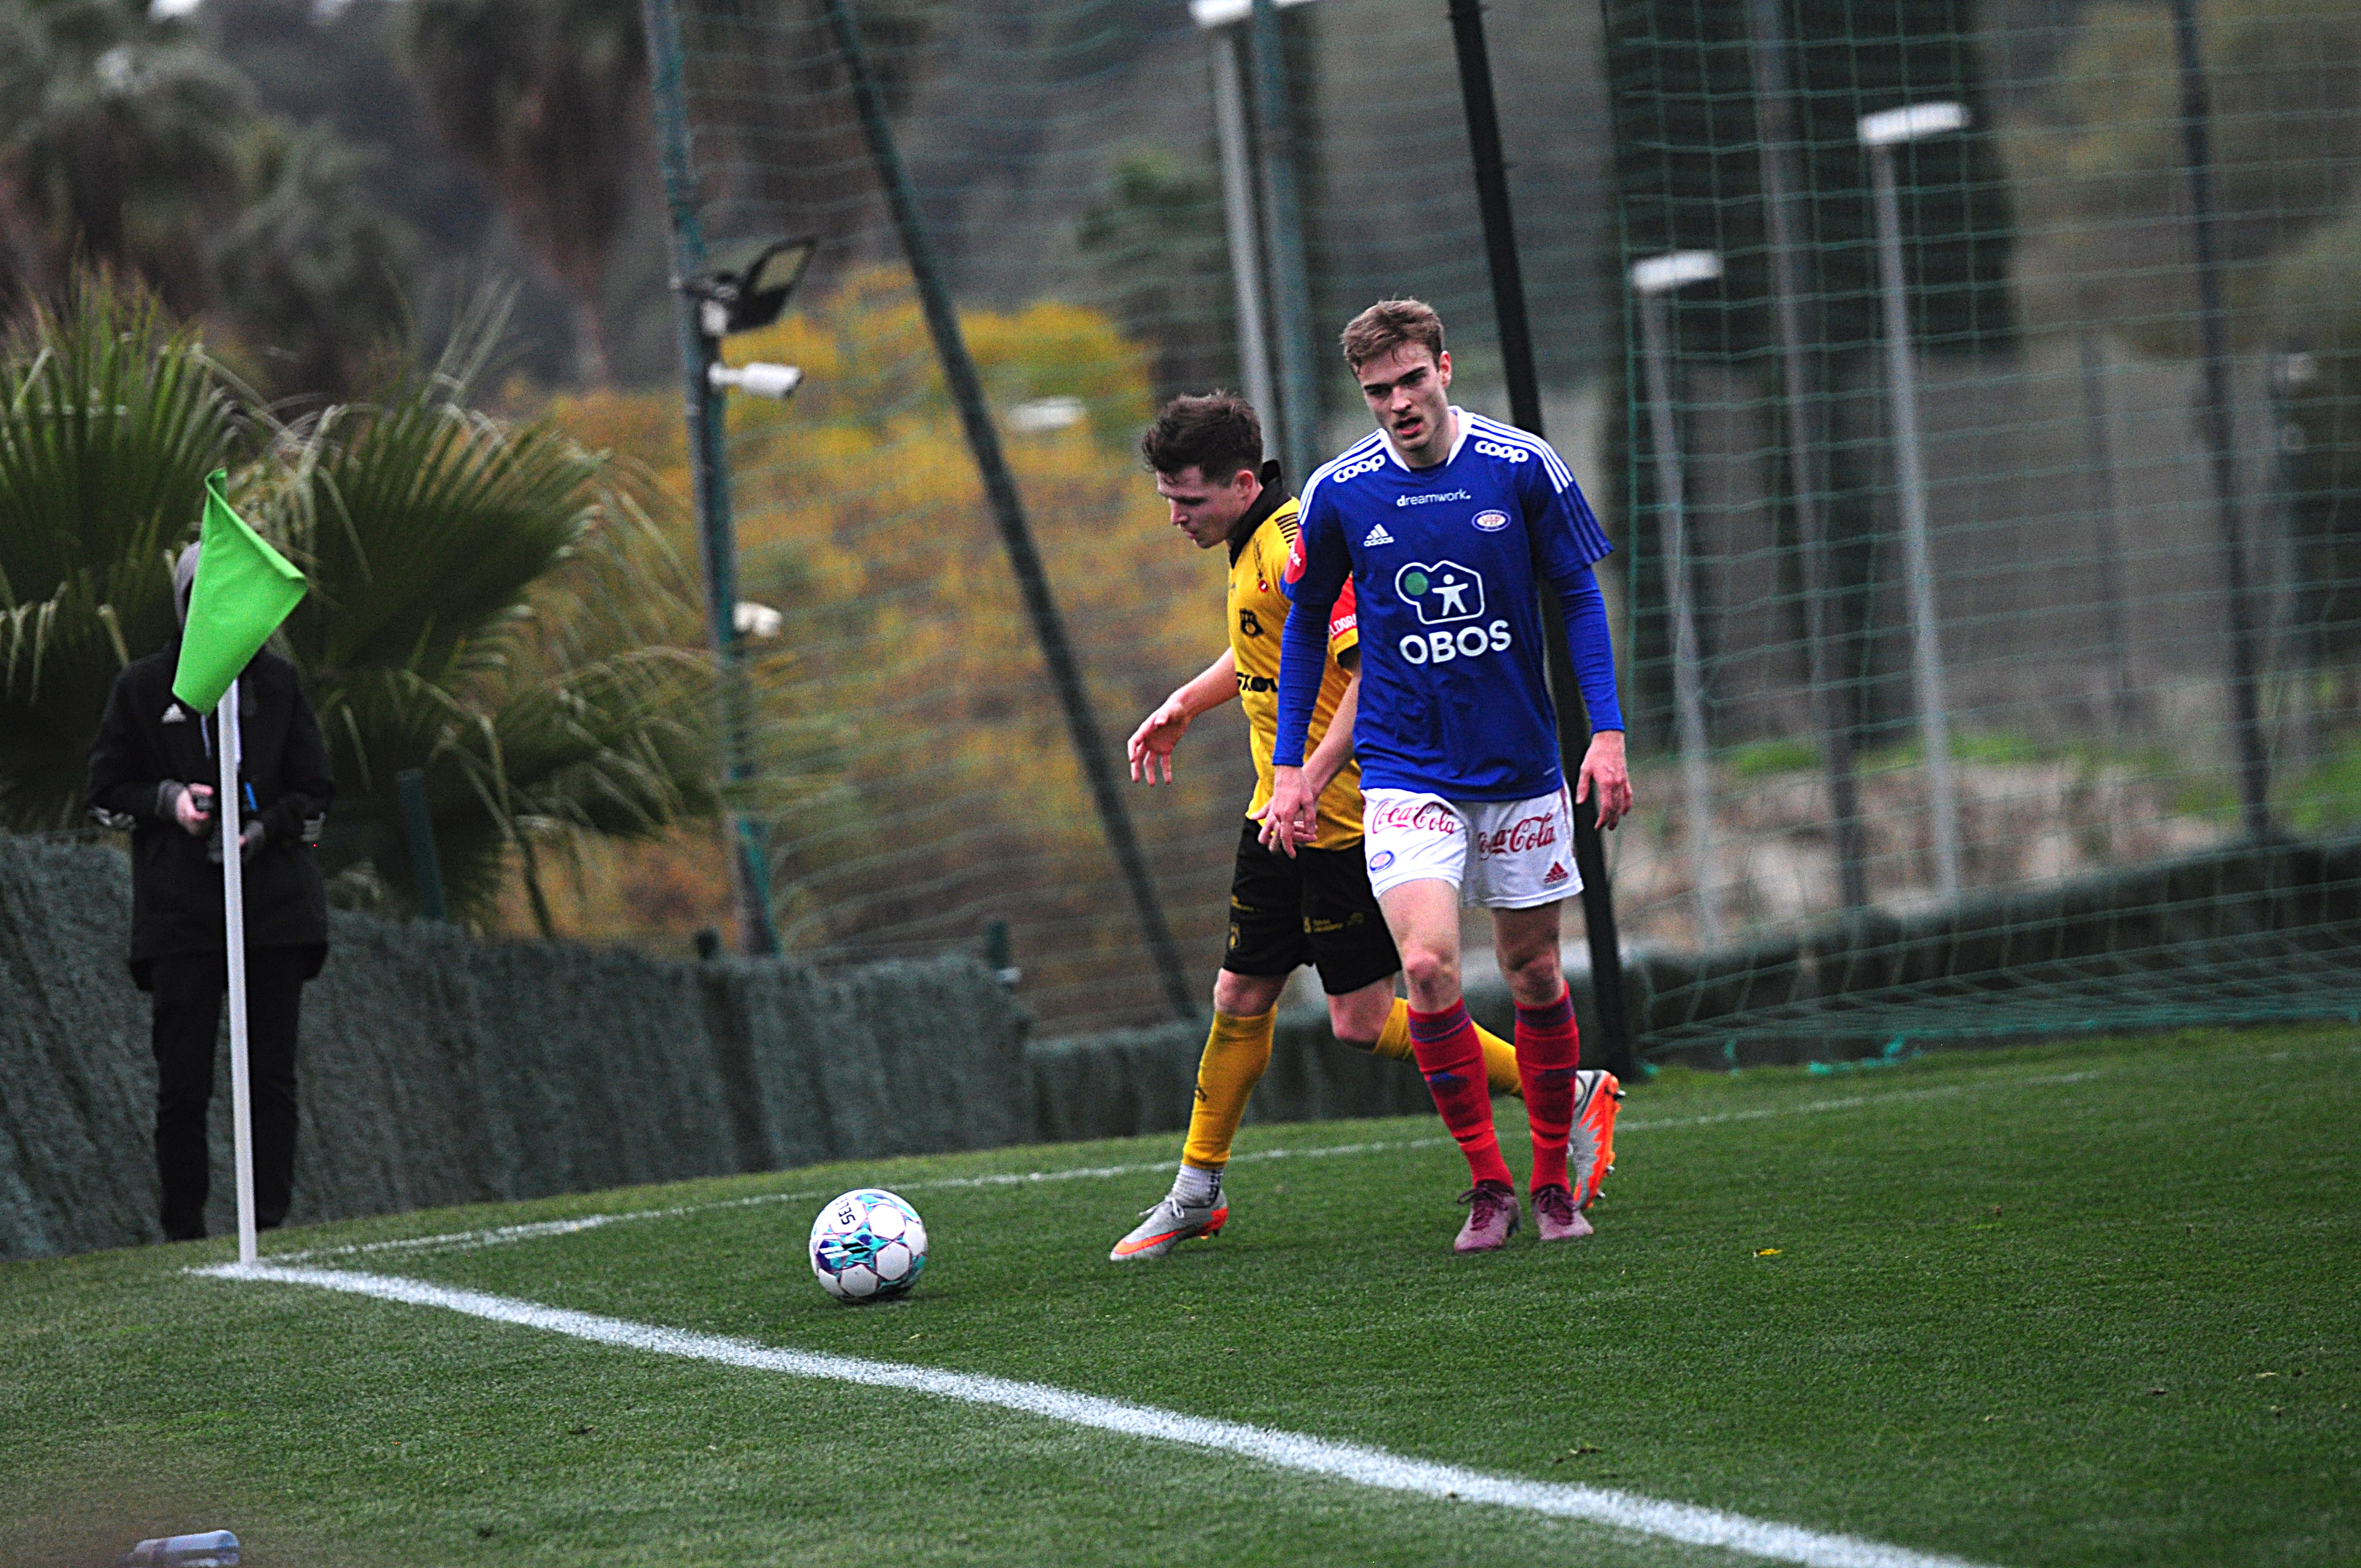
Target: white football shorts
1500,854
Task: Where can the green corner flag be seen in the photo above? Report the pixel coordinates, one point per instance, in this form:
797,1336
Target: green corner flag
244,590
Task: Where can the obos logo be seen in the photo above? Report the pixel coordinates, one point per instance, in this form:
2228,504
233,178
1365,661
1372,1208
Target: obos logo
1490,521
1448,596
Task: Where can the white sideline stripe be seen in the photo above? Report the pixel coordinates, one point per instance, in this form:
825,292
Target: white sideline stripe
1374,1467
470,1241
1849,1102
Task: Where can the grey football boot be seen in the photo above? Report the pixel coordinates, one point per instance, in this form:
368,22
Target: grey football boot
1169,1224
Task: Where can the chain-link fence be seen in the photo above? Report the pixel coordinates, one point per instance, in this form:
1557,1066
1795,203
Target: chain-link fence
1967,387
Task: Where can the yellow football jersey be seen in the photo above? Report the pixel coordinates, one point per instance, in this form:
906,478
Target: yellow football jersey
1259,609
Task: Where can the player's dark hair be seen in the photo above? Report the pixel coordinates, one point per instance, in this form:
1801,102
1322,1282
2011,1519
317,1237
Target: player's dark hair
1217,434
1387,326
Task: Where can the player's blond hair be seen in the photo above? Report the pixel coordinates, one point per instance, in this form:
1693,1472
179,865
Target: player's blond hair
1389,325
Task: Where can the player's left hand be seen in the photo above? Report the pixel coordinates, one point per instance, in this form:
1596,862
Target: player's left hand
1604,773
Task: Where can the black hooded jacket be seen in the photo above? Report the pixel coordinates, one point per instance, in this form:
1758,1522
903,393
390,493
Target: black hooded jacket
148,738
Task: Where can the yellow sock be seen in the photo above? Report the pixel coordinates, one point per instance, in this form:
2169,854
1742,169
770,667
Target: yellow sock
1237,1052
1499,1056
1499,1063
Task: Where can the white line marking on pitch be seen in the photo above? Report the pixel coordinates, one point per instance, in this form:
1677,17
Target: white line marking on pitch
1374,1467
470,1241
503,1235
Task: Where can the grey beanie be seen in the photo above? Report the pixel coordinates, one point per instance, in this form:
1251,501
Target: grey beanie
184,577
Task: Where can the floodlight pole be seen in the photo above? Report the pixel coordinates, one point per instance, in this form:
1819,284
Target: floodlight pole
1239,220
1008,512
1798,351
1525,409
1654,280
2245,719
709,455
1881,134
1290,285
2106,523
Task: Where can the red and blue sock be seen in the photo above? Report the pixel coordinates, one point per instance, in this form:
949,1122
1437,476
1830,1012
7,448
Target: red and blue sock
1549,1048
1452,1058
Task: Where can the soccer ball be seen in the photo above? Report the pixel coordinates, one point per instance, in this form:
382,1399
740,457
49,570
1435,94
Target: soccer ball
868,1246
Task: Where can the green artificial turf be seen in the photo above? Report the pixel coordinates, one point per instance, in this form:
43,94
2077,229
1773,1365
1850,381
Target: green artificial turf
2090,1304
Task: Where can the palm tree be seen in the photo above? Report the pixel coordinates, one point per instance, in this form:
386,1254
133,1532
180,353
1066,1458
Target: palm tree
489,603
118,139
308,268
547,98
491,606
111,419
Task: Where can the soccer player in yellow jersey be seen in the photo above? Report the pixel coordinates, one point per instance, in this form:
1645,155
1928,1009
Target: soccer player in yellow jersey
1315,907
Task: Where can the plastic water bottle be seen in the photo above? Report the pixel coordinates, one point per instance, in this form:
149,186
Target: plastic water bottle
213,1549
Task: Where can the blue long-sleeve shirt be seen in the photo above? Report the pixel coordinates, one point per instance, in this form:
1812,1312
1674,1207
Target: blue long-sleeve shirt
1446,564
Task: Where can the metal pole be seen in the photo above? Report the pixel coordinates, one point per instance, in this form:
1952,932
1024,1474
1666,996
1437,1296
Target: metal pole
1008,512
1291,286
1775,120
1688,694
2106,523
2099,463
418,823
1525,409
2245,721
750,865
1238,219
1917,555
228,745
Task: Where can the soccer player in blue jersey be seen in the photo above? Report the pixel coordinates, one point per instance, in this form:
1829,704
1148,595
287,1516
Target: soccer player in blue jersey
1449,527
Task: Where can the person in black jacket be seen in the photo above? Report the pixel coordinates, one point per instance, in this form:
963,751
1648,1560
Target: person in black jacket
154,770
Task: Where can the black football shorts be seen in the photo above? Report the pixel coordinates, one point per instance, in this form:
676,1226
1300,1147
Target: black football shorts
1314,908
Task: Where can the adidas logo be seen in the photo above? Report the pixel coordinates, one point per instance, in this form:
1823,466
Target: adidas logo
1556,875
1376,535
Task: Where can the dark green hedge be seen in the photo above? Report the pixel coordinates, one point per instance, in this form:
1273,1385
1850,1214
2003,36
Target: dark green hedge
438,1070
2255,931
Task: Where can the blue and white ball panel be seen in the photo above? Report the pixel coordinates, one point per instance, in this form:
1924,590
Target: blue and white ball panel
868,1245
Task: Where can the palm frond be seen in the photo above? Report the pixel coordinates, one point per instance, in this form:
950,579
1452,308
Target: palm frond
110,419
422,524
489,604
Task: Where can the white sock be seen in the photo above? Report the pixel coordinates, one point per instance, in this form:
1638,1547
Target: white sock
1197,1188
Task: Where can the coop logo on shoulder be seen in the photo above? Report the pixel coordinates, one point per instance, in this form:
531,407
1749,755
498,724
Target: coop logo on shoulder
1490,521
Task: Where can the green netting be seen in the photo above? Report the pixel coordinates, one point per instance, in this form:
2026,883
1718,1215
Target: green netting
2115,259
1945,721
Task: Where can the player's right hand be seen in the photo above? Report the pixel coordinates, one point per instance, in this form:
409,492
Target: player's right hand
1152,742
193,809
1289,819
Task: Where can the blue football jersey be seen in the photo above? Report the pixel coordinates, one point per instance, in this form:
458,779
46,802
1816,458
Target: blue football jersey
1446,564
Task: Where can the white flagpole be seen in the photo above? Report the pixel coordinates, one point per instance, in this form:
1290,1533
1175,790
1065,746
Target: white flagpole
241,1097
